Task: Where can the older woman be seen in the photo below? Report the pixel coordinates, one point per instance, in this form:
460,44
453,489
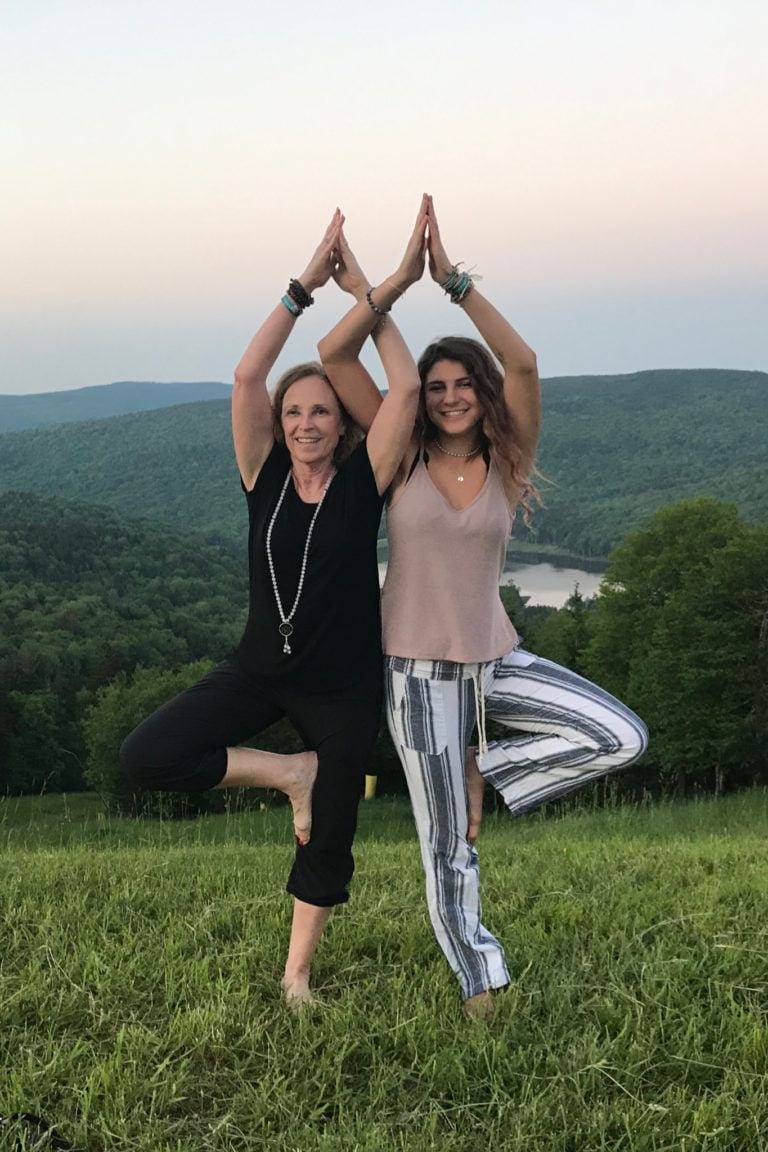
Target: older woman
452,655
311,649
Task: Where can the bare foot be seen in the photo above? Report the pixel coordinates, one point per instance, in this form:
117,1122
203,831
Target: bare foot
298,788
479,1008
297,994
475,792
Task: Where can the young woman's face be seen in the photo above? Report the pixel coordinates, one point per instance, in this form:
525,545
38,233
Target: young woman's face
311,420
450,398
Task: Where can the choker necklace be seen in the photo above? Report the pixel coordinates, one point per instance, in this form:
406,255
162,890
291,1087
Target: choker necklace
286,628
458,456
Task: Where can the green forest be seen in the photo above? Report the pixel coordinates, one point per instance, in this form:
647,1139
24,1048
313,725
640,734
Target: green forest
86,596
123,575
614,449
103,618
617,448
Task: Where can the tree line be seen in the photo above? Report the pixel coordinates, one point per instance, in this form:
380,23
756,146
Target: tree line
102,619
85,596
680,632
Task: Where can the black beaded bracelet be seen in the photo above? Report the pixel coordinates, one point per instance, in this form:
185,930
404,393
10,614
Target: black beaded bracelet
379,311
298,292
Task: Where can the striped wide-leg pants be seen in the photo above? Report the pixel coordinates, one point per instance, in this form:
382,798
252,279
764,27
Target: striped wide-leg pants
564,732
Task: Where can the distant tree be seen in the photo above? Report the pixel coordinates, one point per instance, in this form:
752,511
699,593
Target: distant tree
564,635
118,708
514,604
84,595
534,618
6,736
43,746
679,633
672,551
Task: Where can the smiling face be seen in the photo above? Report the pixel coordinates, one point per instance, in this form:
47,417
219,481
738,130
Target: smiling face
450,399
311,420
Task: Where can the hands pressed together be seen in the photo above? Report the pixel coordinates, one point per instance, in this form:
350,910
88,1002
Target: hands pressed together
333,257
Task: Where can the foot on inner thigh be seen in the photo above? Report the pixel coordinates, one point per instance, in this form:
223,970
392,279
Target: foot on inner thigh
480,1007
298,788
475,792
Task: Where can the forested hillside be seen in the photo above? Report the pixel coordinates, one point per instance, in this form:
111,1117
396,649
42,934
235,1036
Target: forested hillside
614,449
102,619
620,447
86,594
175,466
101,401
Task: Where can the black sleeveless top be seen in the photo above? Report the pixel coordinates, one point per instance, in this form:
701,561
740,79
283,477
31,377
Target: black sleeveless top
336,638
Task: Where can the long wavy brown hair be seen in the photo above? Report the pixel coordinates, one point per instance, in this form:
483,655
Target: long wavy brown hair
497,430
351,434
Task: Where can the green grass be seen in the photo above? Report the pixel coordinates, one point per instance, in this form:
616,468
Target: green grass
140,1005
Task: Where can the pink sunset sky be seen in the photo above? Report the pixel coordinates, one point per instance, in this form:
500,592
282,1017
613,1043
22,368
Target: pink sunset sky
168,166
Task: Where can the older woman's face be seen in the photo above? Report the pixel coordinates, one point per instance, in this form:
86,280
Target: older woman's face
311,420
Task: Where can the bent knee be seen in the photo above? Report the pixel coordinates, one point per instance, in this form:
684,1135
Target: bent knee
132,759
632,744
641,745
147,763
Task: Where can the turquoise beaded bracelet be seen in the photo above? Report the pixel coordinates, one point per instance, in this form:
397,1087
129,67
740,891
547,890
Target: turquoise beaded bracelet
457,284
291,305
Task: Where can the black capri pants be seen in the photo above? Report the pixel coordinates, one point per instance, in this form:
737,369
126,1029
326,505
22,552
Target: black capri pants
182,747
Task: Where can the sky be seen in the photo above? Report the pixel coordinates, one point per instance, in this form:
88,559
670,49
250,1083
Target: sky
167,166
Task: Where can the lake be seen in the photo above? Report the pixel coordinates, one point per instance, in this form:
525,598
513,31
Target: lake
550,584
544,583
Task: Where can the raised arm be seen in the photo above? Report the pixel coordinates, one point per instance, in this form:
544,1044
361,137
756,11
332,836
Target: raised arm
339,351
251,404
390,421
522,391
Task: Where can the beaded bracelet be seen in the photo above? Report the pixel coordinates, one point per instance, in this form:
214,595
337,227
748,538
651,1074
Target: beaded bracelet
291,305
458,284
379,311
298,292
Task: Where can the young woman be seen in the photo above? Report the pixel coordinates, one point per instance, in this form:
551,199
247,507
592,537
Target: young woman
311,650
452,657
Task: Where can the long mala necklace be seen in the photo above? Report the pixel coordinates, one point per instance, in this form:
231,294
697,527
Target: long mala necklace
286,627
458,456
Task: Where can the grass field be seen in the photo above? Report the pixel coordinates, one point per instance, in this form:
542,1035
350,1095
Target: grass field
140,1006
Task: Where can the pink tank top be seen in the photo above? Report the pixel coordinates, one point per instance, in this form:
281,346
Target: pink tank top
440,599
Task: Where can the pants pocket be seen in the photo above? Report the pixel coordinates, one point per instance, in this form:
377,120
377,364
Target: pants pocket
417,714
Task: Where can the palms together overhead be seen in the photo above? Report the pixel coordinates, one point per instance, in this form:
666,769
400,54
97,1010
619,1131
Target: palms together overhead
333,256
412,264
439,264
346,270
320,266
350,277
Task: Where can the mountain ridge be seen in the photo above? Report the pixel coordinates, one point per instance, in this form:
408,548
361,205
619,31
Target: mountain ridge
613,450
102,401
123,397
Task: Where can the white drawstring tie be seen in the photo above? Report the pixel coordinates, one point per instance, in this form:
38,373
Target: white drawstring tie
482,739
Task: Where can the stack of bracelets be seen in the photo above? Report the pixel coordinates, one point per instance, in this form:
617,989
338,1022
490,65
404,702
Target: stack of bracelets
297,298
458,284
